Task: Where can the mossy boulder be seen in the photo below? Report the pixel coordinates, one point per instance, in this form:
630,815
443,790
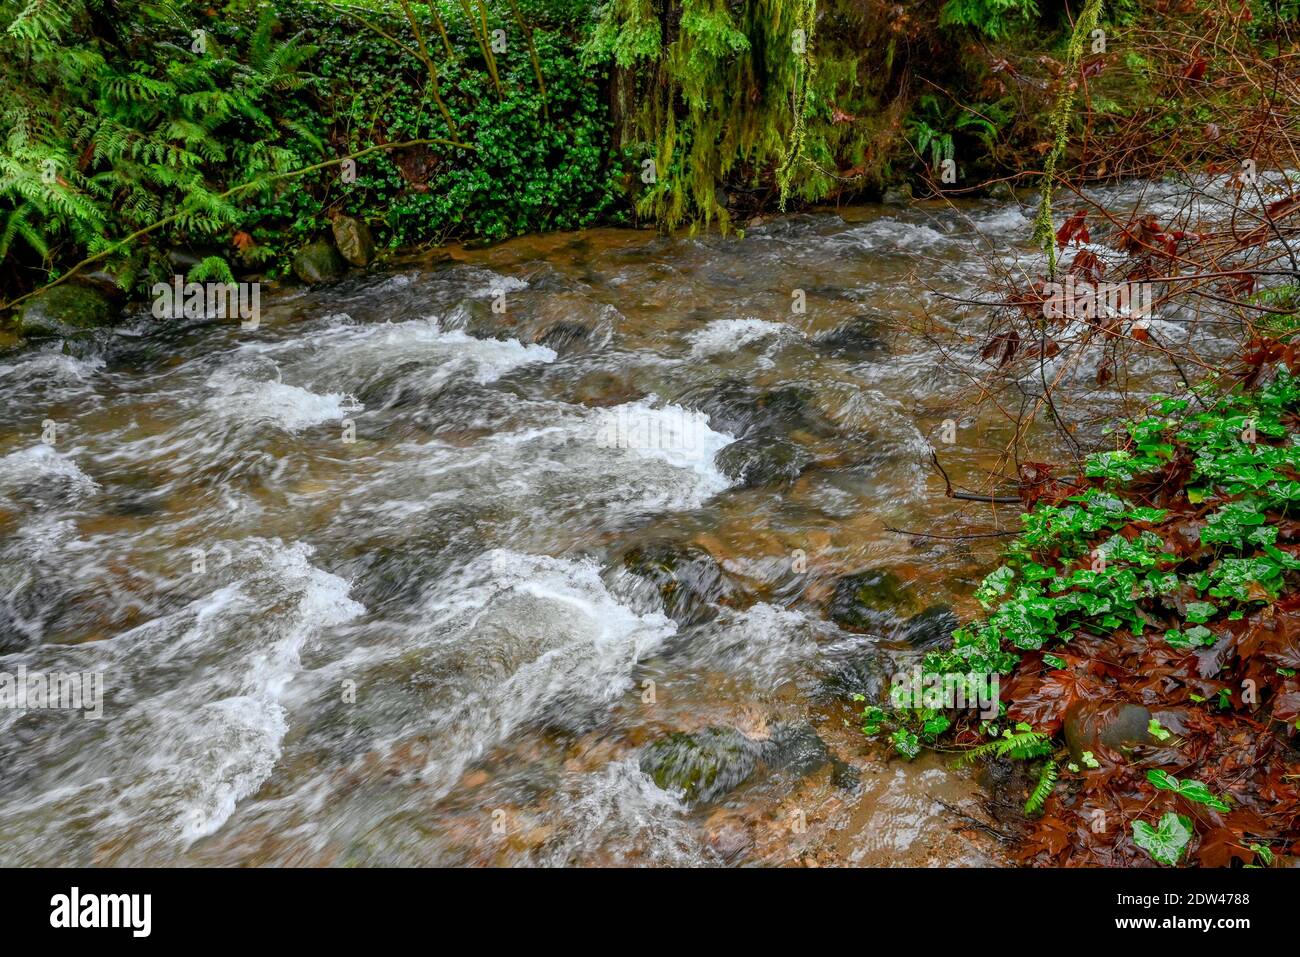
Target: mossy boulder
930,629
688,580
870,600
703,765
65,310
762,459
318,262
353,239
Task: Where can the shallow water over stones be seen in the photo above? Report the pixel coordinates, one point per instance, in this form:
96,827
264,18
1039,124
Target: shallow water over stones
398,578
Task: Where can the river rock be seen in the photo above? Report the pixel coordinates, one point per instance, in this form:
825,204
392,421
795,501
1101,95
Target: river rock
703,765
65,310
318,262
930,629
796,746
352,237
900,195
869,600
865,671
762,459
687,578
860,337
1118,726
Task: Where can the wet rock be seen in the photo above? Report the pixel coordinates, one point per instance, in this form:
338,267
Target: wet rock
65,310
858,338
900,195
352,237
869,600
701,766
867,672
762,460
318,262
601,389
736,407
688,580
563,335
797,747
930,629
1118,726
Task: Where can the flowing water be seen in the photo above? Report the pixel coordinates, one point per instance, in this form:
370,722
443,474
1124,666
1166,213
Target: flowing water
416,571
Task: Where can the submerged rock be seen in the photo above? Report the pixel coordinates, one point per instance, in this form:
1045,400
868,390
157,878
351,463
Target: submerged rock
562,335
65,310
797,747
869,600
701,766
687,578
318,262
930,629
762,460
859,337
352,237
866,672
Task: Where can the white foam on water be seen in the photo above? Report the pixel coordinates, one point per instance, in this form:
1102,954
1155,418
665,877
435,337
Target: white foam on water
669,433
45,465
762,646
290,407
617,815
345,354
527,636
728,335
49,367
195,713
891,234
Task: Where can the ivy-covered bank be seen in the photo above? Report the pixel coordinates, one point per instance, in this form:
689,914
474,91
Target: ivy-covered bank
1146,625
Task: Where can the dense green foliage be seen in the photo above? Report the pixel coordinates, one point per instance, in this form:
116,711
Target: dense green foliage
122,114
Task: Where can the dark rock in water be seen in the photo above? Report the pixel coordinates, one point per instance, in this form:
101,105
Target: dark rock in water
930,629
898,195
687,578
318,262
65,310
859,337
701,766
1118,726
762,459
352,237
867,672
797,747
600,389
707,764
735,407
562,335
869,600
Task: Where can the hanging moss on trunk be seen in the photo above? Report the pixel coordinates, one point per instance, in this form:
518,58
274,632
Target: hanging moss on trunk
770,96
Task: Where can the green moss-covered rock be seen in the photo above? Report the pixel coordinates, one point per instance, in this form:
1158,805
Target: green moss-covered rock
762,459
701,766
930,629
870,600
352,237
318,262
65,310
688,580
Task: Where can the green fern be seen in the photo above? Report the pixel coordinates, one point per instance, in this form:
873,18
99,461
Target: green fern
1042,790
1022,744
